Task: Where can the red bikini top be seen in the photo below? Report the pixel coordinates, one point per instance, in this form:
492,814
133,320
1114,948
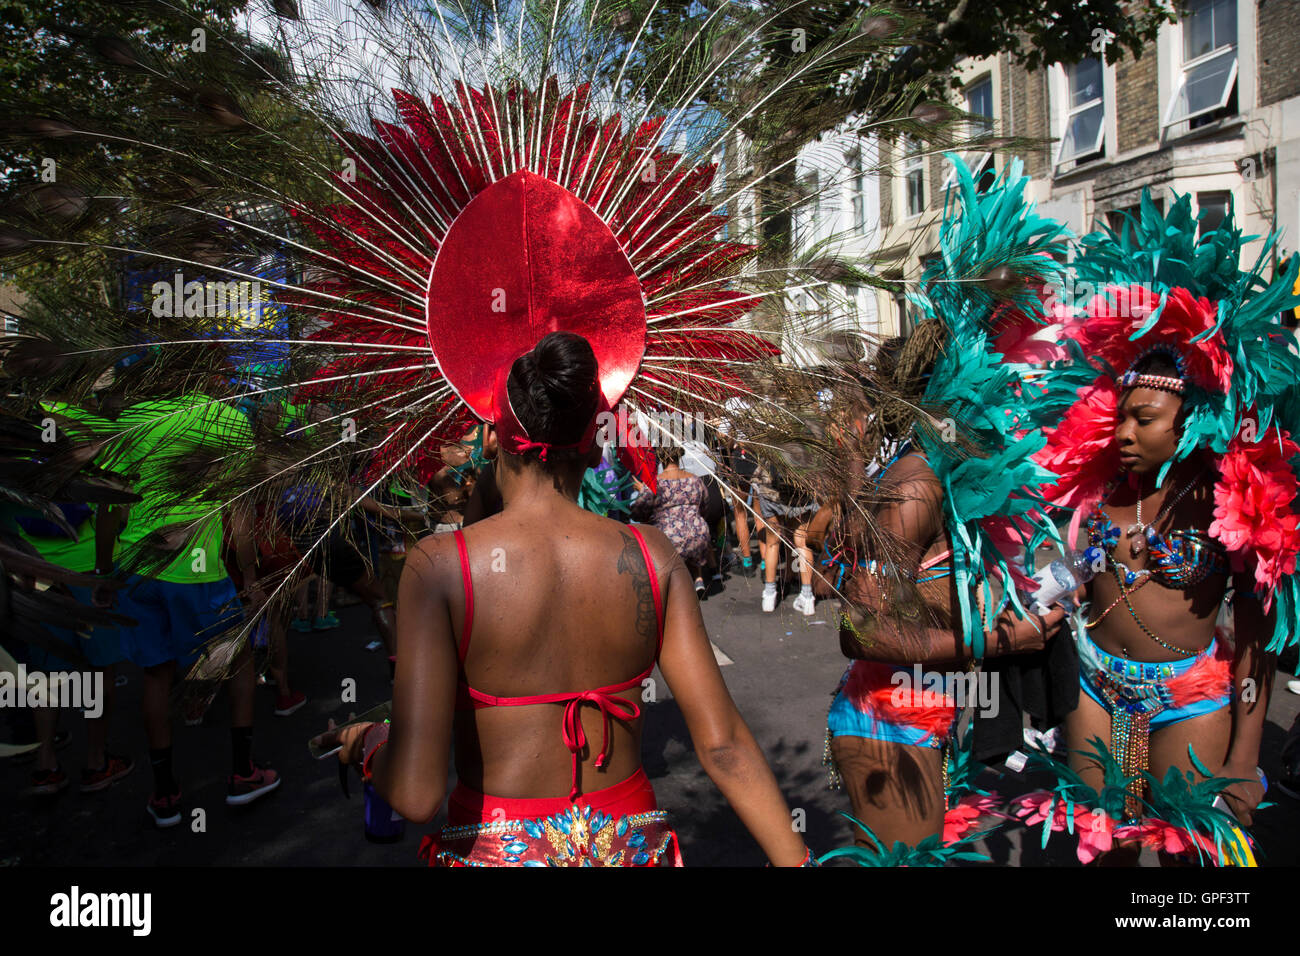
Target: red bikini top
603,697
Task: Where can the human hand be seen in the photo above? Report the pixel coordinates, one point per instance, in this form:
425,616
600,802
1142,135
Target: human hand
349,739
1028,634
1244,797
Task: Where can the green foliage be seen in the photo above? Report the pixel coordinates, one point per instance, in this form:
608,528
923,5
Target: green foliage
103,105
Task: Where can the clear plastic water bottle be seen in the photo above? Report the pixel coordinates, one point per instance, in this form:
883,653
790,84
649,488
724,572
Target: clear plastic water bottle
1057,582
383,823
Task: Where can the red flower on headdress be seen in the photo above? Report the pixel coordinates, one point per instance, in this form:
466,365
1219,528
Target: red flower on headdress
1082,450
1109,320
1254,515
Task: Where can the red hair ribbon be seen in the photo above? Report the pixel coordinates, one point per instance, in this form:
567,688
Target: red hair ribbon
514,438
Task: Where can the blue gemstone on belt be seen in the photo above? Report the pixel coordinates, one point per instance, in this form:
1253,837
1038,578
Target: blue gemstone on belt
532,828
641,859
636,840
516,847
622,826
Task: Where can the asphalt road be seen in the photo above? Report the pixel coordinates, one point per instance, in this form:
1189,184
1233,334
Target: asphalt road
782,669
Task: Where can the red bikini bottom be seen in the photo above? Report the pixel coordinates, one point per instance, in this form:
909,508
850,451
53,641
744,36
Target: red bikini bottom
620,825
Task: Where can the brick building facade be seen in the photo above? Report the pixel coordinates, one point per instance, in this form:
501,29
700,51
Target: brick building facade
1211,109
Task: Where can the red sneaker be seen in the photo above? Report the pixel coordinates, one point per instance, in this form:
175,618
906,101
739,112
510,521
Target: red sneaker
286,704
46,783
166,811
114,769
242,790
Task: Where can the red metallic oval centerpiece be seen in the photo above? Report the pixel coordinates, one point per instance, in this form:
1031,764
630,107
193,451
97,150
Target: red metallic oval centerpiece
526,257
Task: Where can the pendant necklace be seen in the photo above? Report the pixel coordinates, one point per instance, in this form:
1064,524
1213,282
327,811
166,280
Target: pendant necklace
1138,532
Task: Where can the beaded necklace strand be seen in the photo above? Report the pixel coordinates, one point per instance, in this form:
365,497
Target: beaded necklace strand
1137,546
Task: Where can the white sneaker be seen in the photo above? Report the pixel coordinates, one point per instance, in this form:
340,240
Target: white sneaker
806,606
769,602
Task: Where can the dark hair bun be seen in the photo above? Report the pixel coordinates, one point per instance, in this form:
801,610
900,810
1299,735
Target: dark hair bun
553,389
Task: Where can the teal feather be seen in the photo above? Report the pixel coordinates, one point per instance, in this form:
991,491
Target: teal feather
931,851
987,398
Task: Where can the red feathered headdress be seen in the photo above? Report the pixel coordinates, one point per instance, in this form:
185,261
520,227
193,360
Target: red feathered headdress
461,243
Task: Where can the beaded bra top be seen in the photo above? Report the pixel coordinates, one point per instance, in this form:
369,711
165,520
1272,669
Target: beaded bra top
1180,559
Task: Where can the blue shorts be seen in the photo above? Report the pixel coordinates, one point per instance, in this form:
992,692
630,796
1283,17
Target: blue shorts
102,646
1142,686
849,720
174,621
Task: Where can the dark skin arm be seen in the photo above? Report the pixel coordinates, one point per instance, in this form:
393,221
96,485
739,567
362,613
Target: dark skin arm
913,516
1252,681
848,513
241,536
410,772
726,749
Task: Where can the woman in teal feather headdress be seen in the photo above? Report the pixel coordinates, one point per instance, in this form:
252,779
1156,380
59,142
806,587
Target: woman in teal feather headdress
955,504
1177,456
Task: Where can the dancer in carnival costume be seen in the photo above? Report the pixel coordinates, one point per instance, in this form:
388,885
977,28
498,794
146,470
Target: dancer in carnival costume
544,175
566,261
955,503
1178,461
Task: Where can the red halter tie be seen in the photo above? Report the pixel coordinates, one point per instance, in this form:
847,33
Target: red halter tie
575,738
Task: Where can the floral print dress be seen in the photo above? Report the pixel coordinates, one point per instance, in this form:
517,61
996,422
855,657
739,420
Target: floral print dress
675,510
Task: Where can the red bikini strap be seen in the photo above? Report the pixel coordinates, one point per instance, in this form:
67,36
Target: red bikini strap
654,587
468,582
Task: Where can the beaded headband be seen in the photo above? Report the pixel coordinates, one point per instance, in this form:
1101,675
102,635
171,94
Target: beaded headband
1165,383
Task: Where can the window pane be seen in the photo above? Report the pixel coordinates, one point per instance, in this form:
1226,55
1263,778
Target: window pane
1198,29
1225,22
1207,84
915,192
1209,25
1085,82
979,100
1084,133
1214,209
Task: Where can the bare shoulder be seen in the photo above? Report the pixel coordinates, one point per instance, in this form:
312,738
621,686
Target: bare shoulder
914,472
662,550
432,556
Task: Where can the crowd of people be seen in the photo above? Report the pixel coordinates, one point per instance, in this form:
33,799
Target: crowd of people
1092,500
892,762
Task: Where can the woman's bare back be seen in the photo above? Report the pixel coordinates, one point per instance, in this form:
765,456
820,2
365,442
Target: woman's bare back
563,603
